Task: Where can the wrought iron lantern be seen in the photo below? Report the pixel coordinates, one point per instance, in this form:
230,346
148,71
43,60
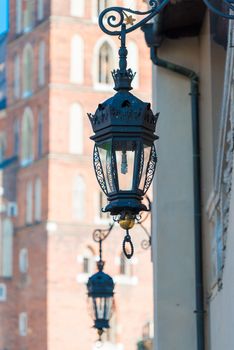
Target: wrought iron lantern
124,126
101,293
124,153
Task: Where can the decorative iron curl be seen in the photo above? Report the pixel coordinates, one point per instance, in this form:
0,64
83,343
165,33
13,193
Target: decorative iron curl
101,234
114,17
145,243
150,169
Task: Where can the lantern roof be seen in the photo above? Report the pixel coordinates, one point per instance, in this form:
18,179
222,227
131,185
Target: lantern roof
100,285
124,113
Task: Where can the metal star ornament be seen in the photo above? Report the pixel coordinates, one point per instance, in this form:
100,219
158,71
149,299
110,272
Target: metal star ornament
130,20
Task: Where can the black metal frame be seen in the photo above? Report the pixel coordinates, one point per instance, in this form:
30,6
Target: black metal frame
122,118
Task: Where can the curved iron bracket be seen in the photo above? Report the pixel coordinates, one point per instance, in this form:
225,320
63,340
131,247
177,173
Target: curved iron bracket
102,234
99,236
112,19
146,243
115,17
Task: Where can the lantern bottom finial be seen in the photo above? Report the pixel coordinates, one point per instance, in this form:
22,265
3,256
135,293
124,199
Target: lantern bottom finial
127,222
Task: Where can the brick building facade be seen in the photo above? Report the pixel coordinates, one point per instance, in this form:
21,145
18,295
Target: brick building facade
58,64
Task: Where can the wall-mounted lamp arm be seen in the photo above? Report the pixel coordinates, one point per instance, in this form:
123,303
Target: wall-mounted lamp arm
111,20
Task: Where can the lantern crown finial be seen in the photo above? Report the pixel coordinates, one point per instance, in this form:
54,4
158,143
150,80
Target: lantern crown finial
123,80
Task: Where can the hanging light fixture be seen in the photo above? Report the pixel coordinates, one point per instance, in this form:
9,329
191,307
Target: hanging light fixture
100,295
124,155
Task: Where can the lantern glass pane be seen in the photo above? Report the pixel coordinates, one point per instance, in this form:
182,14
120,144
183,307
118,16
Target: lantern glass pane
92,308
100,308
100,303
125,157
108,310
145,157
108,165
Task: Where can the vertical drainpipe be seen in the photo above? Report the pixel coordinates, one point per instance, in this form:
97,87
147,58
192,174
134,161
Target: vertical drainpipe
194,80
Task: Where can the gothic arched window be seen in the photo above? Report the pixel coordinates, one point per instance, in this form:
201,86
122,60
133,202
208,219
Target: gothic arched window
105,64
40,9
29,203
28,14
76,129
77,60
41,64
88,261
37,198
7,248
27,153
40,135
18,19
27,70
16,76
79,198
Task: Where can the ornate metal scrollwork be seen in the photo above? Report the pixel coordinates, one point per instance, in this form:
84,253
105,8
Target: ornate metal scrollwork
102,234
115,17
98,170
150,169
146,242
